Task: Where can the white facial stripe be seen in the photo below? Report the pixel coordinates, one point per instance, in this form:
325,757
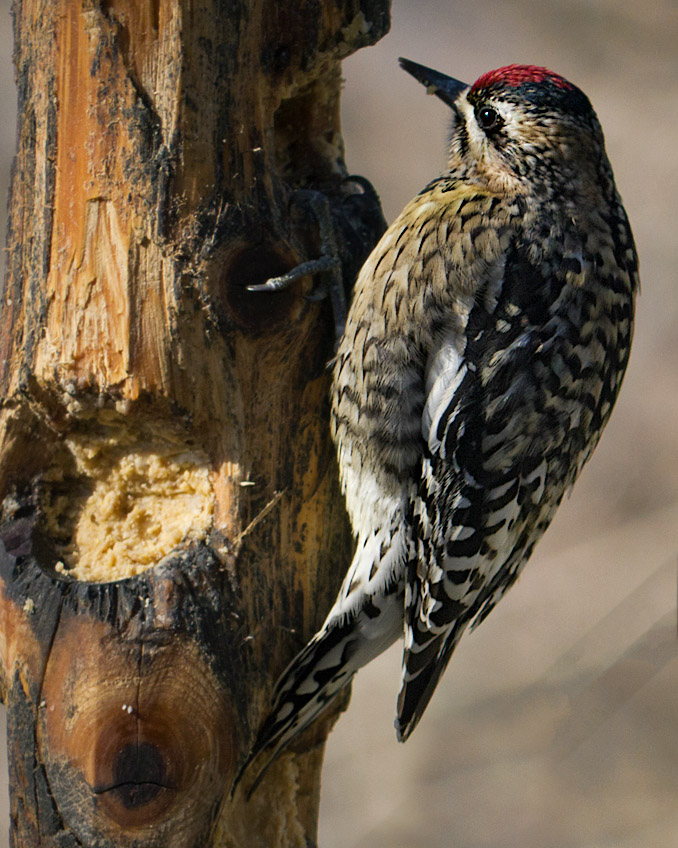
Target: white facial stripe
477,136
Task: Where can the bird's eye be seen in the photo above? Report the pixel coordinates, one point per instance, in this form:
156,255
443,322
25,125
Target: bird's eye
489,119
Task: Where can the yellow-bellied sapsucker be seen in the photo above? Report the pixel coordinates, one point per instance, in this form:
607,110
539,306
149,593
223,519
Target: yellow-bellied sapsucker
483,352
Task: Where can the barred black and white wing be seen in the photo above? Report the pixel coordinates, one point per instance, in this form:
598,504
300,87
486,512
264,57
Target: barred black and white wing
502,446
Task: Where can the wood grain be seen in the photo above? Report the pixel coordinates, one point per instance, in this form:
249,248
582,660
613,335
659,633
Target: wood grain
160,146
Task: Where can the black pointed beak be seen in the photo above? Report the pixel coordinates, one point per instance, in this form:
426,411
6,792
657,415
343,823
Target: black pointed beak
446,88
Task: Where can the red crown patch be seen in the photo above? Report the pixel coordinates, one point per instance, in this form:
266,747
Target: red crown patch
515,75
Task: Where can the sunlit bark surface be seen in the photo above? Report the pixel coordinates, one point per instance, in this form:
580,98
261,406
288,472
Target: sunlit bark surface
171,528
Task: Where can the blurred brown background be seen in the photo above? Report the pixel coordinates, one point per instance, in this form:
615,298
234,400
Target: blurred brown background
555,724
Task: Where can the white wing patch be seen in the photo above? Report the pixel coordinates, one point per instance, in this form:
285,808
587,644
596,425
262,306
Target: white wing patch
444,372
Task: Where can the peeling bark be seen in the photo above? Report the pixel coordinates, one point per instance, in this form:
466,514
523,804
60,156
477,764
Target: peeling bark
171,529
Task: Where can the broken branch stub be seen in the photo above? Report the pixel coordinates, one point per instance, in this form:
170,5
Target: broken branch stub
171,528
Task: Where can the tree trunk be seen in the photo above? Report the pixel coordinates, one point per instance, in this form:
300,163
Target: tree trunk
172,530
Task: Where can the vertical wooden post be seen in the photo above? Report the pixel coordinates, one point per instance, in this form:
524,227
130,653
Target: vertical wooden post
171,529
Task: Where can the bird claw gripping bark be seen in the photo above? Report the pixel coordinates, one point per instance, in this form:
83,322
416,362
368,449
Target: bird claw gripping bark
483,352
327,265
342,239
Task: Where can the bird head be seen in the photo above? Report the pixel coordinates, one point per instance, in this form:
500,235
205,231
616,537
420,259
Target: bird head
521,127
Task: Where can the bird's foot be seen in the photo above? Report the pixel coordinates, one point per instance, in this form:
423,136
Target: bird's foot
327,266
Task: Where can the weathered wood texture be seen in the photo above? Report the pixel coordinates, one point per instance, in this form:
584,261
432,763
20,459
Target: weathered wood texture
171,528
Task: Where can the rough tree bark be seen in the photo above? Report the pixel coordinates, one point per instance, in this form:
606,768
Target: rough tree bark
171,528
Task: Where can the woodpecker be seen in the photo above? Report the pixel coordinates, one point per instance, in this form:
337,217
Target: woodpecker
483,352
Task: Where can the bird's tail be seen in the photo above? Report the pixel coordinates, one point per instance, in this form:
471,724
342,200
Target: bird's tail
318,673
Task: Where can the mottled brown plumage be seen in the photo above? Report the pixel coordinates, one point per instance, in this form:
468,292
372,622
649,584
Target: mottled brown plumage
483,352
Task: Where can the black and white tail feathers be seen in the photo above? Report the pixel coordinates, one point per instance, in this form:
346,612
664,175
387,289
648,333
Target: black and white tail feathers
319,672
315,676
